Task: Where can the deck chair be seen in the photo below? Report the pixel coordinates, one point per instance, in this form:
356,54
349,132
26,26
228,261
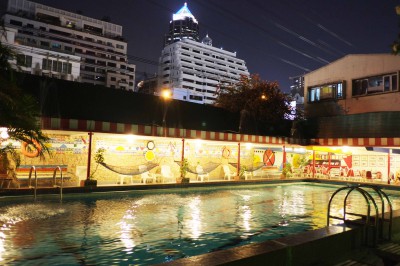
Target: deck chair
227,172
247,175
200,173
122,178
166,174
145,175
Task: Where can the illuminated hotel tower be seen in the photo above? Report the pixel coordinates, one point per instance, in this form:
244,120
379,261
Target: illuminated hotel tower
182,26
195,70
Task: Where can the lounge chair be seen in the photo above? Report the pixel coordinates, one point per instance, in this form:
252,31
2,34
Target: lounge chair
166,174
227,172
200,173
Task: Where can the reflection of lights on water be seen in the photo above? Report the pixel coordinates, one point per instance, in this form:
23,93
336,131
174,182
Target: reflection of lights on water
125,237
126,232
246,216
246,213
2,245
195,222
293,204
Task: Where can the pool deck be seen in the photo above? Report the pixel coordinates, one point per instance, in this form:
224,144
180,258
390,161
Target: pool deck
333,245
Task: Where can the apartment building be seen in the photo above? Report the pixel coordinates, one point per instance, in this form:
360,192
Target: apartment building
93,50
355,96
354,84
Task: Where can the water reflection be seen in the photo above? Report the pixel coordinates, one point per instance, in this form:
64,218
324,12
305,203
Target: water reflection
195,221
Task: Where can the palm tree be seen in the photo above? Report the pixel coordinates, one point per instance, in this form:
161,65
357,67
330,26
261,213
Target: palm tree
19,113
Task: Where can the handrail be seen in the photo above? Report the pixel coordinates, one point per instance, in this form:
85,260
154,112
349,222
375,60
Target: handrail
62,180
384,196
33,168
369,199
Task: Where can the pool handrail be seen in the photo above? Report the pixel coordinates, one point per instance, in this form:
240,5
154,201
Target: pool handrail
62,180
33,168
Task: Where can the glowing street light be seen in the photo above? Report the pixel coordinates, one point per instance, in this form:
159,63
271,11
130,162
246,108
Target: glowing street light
4,133
166,94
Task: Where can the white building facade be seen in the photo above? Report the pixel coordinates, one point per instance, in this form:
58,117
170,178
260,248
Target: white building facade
50,33
194,70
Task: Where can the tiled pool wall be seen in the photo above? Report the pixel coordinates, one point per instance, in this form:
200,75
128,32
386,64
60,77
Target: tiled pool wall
317,247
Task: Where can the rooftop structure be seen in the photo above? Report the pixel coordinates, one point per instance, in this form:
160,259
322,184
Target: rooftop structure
182,26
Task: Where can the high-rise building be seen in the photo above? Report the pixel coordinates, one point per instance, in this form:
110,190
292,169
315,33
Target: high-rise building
297,90
68,45
182,26
195,70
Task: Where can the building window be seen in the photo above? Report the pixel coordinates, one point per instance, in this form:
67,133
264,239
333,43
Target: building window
45,44
56,66
66,68
15,22
332,91
376,84
56,46
46,64
24,60
195,97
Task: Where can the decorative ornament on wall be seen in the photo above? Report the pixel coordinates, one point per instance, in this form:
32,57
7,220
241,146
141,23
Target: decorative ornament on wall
269,158
32,152
226,152
149,155
150,145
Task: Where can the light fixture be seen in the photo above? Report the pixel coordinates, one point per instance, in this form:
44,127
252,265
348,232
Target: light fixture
4,133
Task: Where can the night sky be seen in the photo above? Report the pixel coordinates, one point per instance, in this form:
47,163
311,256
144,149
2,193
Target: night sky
277,39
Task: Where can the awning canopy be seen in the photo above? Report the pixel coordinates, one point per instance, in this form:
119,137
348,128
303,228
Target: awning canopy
338,150
385,150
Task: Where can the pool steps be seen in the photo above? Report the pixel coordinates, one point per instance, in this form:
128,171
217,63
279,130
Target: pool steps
375,223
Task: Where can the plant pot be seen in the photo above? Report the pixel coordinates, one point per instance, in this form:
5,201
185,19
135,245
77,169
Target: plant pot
89,183
185,180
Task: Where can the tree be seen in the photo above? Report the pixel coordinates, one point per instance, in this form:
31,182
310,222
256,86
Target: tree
19,112
255,99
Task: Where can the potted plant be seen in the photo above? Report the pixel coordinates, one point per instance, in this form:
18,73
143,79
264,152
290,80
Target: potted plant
287,170
98,158
183,170
242,171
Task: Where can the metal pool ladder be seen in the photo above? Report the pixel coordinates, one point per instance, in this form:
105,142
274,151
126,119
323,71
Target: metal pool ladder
375,223
33,169
62,180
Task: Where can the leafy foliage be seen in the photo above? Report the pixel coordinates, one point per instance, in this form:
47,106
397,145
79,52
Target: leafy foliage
98,158
19,112
262,100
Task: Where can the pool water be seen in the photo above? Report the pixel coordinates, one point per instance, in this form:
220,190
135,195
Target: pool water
148,227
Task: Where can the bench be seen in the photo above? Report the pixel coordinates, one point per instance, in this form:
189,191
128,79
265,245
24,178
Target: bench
43,172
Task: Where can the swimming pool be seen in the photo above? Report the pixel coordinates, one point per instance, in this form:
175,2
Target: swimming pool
148,227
